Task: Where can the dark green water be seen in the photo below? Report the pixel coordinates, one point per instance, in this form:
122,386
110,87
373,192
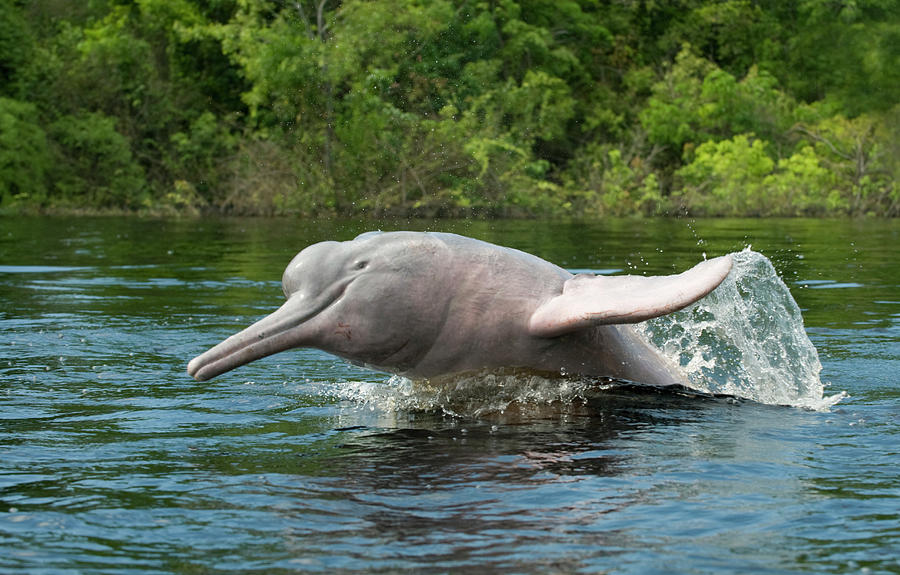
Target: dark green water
112,460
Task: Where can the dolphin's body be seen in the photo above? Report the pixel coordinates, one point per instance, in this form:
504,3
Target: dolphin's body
423,304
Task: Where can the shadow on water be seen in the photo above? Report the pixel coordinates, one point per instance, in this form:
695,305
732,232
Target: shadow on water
500,490
568,438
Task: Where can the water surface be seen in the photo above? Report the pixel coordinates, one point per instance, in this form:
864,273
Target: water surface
112,460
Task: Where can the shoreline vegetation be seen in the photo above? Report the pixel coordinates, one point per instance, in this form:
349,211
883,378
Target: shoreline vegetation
413,108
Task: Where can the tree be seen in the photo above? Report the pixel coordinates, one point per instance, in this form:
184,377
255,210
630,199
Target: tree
24,154
451,107
16,50
93,164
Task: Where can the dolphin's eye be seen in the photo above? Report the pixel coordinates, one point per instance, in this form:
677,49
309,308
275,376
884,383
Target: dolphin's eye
361,265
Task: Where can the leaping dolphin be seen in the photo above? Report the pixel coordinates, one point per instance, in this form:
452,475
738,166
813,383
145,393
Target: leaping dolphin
423,304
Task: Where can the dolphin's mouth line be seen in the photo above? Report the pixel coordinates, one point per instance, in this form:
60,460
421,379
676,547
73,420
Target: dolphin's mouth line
290,323
259,339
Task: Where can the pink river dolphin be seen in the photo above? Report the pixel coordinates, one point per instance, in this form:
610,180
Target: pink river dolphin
422,305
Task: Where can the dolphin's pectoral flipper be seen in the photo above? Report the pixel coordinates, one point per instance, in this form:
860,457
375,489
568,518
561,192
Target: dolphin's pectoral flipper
588,301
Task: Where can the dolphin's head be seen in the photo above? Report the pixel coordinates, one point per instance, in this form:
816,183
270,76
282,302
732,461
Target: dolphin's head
355,299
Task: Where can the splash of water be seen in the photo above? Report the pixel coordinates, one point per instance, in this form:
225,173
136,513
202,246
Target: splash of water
468,395
745,339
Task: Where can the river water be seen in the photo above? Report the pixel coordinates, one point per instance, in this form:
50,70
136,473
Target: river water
113,460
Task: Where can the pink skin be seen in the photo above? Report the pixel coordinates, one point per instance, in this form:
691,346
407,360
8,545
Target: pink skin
431,304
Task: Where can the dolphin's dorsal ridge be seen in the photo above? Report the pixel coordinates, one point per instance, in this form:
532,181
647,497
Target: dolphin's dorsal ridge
588,301
424,305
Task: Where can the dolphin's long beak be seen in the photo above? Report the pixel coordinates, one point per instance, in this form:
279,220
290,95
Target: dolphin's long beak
281,330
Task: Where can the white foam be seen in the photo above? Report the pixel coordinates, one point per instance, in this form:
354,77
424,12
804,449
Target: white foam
466,395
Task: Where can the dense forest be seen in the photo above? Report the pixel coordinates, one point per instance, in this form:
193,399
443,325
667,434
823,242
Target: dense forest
451,108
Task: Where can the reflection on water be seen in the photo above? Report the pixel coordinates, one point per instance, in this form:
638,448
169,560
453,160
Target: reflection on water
113,460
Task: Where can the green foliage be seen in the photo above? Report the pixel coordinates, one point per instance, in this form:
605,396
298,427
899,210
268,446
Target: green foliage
725,178
801,185
196,158
93,164
845,169
266,180
862,155
16,50
451,107
697,101
845,51
615,182
24,154
112,69
672,113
